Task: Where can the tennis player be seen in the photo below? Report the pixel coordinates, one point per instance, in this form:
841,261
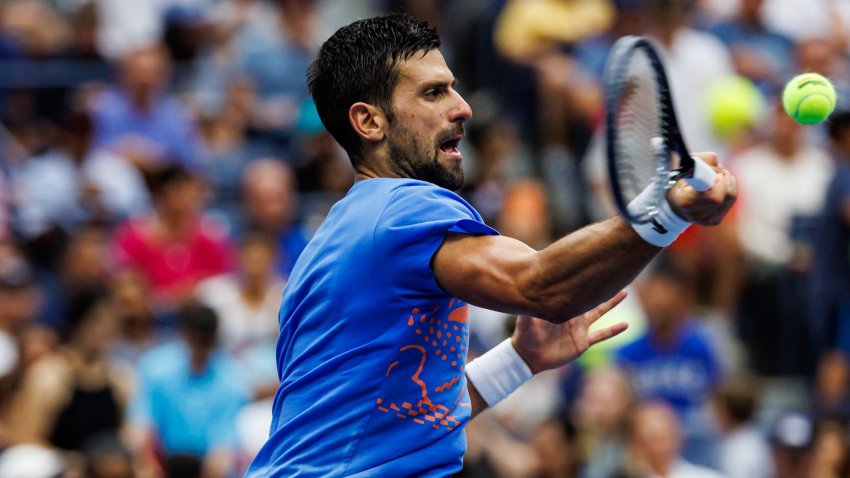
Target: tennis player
373,324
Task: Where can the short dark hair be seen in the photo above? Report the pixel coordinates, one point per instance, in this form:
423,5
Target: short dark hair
80,307
161,179
198,321
737,397
360,63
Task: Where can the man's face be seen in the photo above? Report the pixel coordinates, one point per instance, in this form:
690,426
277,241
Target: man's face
428,121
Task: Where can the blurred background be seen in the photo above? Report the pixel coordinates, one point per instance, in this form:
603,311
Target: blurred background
163,166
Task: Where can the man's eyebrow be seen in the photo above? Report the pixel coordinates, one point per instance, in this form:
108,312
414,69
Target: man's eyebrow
437,83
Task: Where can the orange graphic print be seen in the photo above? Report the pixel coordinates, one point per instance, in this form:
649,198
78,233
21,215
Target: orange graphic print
438,337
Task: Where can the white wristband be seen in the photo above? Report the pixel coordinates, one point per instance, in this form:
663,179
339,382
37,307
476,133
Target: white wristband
664,227
497,373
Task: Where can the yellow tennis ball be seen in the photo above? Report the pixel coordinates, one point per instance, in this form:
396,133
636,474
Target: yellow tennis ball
734,104
809,98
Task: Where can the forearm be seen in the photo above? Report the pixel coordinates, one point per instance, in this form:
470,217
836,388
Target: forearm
562,281
585,268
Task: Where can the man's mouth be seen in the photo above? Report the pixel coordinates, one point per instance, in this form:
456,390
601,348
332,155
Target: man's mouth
450,147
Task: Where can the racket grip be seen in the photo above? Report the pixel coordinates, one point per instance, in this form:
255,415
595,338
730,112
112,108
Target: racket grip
704,176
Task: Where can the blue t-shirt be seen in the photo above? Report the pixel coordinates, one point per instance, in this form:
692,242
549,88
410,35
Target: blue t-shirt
682,373
190,412
371,352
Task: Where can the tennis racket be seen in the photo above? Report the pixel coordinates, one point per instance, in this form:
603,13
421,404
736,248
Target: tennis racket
646,152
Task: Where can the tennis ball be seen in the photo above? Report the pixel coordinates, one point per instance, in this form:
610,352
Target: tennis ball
734,104
809,98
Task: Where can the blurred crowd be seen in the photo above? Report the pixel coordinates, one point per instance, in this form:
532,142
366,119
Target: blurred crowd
163,166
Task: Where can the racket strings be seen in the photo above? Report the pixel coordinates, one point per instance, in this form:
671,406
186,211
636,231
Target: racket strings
641,116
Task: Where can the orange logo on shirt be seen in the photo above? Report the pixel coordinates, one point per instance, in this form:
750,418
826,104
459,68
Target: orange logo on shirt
440,347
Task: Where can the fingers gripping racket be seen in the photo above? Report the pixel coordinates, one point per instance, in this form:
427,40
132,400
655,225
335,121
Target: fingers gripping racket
646,151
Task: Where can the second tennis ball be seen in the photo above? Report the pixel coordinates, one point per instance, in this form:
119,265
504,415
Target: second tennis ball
809,98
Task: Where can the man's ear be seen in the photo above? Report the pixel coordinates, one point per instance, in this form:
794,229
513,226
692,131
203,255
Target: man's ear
368,121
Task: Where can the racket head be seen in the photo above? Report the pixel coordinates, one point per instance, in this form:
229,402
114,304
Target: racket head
646,152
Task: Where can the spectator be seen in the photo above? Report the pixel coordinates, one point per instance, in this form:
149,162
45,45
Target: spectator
758,52
83,265
74,394
270,200
496,451
655,446
19,300
821,54
141,121
673,361
497,159
690,75
227,136
792,439
539,34
830,286
269,48
189,394
140,329
247,302
176,246
831,450
630,19
216,70
832,387
601,414
743,451
37,28
782,182
556,444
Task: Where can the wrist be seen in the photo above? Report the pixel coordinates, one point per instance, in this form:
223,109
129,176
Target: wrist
528,363
498,372
664,226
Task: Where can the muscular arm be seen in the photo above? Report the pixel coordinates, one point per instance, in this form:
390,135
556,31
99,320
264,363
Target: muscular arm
564,280
575,273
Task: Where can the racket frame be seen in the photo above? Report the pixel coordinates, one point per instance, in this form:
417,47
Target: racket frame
672,141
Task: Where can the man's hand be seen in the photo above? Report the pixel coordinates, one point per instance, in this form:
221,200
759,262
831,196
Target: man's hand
544,345
710,207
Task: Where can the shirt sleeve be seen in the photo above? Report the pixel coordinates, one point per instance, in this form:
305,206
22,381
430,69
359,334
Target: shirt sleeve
411,229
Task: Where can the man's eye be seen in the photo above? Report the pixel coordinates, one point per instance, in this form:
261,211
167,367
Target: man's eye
433,93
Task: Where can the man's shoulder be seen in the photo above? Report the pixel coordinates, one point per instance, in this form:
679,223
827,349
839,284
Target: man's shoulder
404,186
425,196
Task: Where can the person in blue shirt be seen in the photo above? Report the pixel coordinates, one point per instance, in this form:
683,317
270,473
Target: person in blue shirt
674,360
759,53
190,392
140,121
373,321
830,278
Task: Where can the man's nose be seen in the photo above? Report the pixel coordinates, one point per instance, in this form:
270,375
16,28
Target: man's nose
461,110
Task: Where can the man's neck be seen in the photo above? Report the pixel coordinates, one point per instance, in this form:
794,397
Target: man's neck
376,169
